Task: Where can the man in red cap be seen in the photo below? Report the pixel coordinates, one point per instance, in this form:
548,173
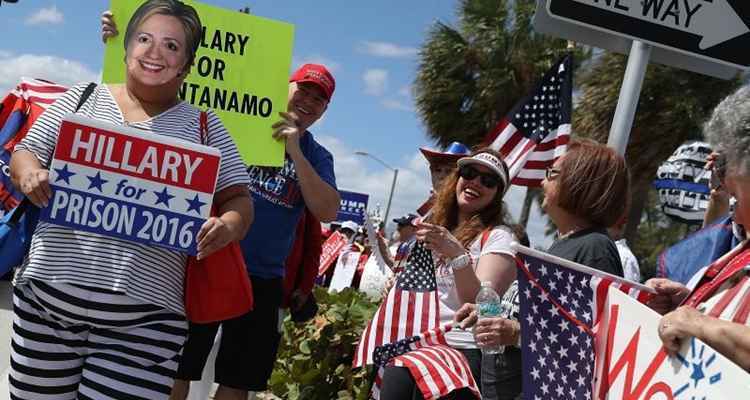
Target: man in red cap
280,196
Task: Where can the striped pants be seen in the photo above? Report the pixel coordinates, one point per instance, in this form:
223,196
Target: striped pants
71,342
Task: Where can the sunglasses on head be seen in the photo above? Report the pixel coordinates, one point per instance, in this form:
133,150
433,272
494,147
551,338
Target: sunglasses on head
487,180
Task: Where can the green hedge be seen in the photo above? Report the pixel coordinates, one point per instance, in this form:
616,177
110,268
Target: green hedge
315,358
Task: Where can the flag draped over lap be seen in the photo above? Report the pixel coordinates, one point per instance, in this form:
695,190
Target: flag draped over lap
405,332
437,368
560,308
537,130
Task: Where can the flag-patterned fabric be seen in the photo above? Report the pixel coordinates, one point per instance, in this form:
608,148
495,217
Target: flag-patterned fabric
437,368
536,132
410,308
18,111
560,308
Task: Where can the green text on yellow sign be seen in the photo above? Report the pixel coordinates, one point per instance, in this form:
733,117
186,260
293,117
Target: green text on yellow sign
241,72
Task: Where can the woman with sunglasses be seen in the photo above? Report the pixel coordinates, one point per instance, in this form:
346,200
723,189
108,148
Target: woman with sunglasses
470,241
586,191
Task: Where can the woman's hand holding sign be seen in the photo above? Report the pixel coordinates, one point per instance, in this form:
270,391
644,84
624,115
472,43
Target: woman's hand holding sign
35,186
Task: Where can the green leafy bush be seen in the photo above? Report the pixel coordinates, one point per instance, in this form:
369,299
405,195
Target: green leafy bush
315,358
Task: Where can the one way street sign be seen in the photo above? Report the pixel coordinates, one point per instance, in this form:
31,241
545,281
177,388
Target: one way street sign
714,30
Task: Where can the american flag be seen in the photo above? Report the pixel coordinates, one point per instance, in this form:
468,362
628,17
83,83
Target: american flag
536,132
39,91
560,308
442,368
18,111
410,308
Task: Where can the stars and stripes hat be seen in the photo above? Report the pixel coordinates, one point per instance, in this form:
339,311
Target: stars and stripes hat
452,153
492,162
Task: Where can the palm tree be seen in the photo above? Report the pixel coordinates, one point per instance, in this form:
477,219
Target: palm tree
471,75
672,108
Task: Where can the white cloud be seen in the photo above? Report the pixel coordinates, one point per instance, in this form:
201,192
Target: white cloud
332,66
51,68
376,81
49,15
359,174
385,49
393,104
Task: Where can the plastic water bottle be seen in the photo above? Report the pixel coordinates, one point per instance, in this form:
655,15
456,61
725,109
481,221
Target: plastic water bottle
489,305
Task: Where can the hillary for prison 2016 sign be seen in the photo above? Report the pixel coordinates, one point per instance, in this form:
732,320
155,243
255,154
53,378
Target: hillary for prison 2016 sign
124,183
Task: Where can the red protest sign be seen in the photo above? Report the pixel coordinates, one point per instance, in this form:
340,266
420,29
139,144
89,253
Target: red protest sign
331,249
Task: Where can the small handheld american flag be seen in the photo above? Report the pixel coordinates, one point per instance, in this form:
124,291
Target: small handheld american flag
536,132
410,308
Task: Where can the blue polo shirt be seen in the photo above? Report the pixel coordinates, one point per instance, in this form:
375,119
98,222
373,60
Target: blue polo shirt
278,206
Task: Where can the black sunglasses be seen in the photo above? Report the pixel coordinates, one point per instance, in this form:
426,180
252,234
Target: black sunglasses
487,180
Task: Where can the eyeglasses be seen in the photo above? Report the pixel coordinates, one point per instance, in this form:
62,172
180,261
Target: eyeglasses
486,179
551,173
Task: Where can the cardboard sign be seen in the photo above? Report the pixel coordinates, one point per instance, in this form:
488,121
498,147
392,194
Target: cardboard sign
631,363
331,249
241,72
345,269
122,182
374,278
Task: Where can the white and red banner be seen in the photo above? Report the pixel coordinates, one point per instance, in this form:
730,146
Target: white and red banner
330,250
122,182
632,364
346,267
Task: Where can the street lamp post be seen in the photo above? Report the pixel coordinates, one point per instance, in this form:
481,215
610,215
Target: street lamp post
393,184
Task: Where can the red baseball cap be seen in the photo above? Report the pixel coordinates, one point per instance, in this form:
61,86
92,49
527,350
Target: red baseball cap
317,74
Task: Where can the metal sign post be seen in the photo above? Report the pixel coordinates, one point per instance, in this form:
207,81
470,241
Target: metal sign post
630,92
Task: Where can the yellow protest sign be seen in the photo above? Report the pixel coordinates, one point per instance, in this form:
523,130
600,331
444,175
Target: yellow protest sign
241,72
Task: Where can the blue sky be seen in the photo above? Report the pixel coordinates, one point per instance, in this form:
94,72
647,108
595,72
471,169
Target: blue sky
371,48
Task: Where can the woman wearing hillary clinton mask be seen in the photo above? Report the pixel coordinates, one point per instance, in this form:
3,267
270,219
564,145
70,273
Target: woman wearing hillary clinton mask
470,242
98,317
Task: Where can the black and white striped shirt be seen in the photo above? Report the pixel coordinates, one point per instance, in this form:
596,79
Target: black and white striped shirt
149,273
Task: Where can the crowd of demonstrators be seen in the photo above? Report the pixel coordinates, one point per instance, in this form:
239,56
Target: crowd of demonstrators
98,317
470,239
308,182
131,317
714,300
